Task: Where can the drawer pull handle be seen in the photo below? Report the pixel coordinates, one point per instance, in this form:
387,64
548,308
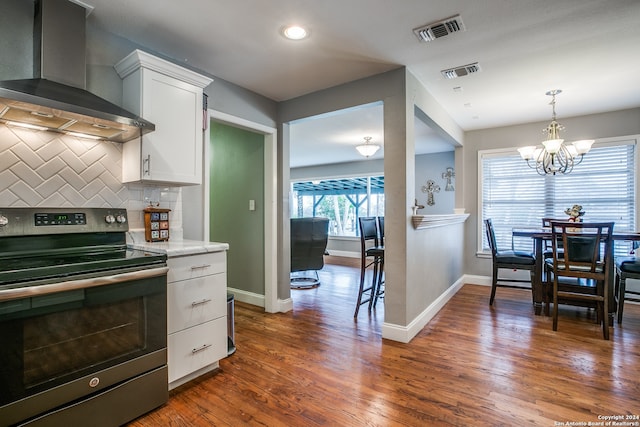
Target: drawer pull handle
198,267
199,349
197,303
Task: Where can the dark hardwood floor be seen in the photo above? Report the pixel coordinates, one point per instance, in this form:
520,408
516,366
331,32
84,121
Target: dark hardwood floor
472,365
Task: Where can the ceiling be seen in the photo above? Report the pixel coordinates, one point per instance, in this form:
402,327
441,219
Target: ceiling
587,48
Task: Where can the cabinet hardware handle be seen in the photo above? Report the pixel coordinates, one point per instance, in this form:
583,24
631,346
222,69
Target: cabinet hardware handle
199,349
198,267
197,303
147,161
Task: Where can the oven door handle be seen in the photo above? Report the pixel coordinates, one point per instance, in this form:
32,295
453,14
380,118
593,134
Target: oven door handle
70,285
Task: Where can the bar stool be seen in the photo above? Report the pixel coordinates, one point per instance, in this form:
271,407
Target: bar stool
371,254
379,293
626,268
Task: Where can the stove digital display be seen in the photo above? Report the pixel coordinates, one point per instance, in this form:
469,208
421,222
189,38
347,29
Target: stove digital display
60,219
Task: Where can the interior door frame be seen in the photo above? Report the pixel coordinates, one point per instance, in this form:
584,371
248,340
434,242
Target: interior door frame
270,197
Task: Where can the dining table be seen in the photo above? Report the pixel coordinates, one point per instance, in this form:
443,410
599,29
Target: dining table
539,236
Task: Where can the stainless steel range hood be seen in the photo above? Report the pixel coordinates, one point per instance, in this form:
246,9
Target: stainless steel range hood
56,99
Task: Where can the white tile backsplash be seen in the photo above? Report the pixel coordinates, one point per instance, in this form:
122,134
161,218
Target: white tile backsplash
41,168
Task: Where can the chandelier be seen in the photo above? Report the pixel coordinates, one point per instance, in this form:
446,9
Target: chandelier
367,149
555,157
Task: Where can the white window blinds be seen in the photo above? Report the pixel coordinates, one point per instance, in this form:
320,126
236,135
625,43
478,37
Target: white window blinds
515,196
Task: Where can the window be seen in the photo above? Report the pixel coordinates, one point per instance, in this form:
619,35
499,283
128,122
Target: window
515,196
343,201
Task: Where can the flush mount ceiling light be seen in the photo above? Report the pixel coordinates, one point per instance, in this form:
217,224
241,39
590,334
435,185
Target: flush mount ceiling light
367,149
554,156
295,32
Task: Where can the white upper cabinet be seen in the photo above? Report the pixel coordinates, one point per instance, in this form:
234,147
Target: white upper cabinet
170,97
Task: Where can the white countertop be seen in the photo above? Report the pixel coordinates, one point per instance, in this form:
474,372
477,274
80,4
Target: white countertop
175,248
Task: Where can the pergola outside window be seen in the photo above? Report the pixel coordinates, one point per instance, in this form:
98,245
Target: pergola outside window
343,201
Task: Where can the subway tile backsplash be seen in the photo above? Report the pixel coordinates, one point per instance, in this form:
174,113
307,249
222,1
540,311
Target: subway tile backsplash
48,169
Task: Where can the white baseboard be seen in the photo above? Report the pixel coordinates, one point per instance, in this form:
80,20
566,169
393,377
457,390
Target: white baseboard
405,334
258,300
477,280
246,296
285,305
345,254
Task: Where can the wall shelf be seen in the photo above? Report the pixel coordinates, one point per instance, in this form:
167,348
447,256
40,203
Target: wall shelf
431,221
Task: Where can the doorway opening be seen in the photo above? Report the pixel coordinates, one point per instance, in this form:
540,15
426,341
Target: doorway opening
253,206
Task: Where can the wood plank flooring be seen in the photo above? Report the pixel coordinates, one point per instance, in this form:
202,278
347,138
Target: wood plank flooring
472,365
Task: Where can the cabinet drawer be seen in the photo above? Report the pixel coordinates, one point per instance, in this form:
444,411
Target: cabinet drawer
188,267
194,301
197,347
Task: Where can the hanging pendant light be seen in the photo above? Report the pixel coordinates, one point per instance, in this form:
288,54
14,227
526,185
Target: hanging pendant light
367,149
555,157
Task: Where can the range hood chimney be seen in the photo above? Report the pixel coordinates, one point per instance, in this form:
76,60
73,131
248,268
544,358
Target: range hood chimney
56,98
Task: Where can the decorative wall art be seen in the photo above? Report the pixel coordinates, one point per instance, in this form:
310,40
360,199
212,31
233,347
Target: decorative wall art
448,175
430,187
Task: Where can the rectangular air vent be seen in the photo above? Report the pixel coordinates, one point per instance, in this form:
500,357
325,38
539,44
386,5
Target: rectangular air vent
435,30
464,70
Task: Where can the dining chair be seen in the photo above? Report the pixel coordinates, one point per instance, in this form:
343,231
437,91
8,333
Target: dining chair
581,269
510,259
626,268
371,255
547,249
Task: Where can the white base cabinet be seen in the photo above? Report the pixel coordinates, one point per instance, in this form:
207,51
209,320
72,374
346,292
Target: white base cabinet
196,348
197,315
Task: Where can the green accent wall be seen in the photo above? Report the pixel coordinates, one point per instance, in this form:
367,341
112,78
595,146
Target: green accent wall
237,176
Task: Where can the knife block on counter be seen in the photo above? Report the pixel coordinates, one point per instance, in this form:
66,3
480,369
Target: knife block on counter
156,224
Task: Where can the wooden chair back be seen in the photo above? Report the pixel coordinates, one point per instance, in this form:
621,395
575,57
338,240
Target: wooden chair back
586,249
586,253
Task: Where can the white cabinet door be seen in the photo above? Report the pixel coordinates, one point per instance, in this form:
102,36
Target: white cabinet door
173,153
170,97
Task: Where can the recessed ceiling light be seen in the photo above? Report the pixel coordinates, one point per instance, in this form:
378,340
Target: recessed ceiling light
295,32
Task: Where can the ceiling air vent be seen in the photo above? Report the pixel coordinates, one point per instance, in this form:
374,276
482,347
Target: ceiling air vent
435,30
453,73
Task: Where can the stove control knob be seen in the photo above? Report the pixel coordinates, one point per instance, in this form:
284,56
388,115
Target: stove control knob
110,219
3,220
121,219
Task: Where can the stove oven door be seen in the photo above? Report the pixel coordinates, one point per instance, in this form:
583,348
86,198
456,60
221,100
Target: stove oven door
67,341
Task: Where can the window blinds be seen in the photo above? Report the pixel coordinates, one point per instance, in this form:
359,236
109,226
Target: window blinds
515,196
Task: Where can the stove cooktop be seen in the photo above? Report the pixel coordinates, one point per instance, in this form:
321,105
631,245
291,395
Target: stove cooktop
65,266
43,244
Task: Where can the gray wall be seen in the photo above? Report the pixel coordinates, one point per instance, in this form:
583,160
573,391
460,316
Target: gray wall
431,167
346,169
